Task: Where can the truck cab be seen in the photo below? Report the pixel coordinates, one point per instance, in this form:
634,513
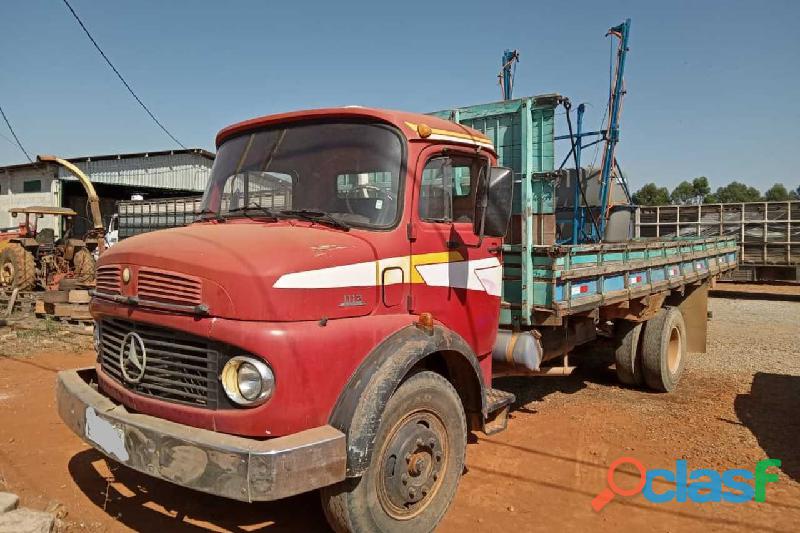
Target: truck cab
327,323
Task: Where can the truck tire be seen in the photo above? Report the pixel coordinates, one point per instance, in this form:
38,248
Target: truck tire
627,356
17,268
415,466
664,349
84,266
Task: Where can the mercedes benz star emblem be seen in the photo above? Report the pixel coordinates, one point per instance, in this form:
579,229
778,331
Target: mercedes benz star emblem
132,357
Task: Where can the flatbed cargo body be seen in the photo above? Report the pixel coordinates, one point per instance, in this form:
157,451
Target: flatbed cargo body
573,279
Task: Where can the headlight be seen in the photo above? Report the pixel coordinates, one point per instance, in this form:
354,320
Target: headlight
247,381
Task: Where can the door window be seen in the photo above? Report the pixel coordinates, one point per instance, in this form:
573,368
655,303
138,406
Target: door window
448,188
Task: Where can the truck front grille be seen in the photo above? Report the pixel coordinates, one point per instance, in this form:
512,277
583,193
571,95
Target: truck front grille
108,279
168,287
178,367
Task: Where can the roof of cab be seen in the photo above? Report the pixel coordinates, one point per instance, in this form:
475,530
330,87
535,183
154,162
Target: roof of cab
409,123
44,210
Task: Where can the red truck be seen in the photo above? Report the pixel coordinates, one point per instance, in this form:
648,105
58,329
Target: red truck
329,322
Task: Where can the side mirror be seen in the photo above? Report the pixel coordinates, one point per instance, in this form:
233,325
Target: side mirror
493,200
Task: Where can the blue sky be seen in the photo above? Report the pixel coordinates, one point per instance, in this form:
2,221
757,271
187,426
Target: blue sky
713,85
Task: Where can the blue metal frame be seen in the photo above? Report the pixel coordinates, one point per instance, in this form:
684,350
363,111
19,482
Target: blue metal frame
611,137
510,57
621,32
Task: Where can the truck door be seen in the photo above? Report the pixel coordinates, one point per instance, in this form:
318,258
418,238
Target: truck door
453,275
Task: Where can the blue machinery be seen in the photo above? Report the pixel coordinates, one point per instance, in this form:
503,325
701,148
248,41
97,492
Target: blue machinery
506,76
611,137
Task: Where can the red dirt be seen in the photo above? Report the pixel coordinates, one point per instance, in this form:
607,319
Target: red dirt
539,475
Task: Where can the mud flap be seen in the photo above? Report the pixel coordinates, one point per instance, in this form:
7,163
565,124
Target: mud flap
694,308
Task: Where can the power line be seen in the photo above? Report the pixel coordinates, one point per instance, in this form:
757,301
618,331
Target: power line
14,134
125,83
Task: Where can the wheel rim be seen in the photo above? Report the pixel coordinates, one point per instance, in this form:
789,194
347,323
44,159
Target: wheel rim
7,273
674,349
413,460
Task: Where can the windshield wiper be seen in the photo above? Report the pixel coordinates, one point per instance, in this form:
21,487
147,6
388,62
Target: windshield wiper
316,216
253,207
201,215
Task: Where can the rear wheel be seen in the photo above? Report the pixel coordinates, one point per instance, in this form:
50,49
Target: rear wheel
17,268
415,467
627,356
84,266
664,349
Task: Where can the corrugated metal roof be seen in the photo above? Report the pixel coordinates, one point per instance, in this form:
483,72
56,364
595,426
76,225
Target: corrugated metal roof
173,169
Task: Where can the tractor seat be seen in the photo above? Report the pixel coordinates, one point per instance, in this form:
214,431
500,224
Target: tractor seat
46,236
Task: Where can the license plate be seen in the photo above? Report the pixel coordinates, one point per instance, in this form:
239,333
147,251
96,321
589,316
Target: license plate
108,437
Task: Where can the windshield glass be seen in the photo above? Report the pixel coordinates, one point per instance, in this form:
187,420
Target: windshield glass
346,171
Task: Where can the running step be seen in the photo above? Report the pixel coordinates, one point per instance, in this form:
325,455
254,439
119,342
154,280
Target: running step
498,404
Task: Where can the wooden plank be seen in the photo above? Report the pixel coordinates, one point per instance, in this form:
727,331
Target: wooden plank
53,297
62,310
12,301
79,296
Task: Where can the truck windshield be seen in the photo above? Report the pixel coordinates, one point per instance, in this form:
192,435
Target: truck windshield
347,173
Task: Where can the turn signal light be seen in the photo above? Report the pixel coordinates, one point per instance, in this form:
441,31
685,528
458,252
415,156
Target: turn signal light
425,322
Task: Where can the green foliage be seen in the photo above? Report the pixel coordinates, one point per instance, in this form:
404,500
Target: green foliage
682,194
690,193
651,194
737,192
701,187
777,193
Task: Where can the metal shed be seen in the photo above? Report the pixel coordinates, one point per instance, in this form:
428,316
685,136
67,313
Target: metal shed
157,174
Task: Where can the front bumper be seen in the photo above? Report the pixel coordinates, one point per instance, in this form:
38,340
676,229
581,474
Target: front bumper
226,465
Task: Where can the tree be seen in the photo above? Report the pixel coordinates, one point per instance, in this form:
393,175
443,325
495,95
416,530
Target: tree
651,194
701,188
795,194
736,192
777,193
683,193
691,193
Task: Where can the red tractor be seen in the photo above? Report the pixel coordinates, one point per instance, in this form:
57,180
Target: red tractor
32,257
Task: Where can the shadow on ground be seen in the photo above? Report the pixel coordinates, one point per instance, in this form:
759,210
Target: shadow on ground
143,503
535,388
772,413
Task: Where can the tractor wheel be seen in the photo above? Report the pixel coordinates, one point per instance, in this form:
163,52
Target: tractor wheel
17,268
84,266
415,466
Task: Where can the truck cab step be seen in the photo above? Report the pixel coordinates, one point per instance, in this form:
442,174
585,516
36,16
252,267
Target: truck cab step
498,404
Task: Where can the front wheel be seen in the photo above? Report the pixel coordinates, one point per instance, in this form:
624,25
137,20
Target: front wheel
415,467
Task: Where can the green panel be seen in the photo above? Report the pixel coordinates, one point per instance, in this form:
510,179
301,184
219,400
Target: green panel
542,293
613,256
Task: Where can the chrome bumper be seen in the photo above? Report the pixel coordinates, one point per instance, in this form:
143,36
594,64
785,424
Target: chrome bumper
225,465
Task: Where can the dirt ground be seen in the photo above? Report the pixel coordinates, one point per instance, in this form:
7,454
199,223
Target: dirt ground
775,290
737,404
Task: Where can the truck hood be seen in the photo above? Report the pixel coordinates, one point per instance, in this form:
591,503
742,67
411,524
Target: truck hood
247,270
